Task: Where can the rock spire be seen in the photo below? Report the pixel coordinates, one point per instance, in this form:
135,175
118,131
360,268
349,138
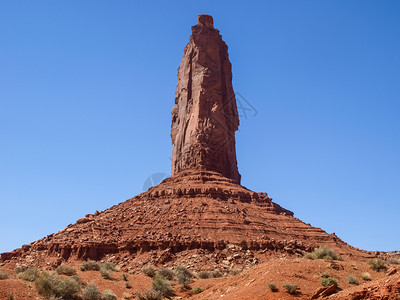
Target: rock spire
205,117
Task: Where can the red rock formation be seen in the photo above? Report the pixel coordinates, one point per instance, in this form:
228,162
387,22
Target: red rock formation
202,206
205,117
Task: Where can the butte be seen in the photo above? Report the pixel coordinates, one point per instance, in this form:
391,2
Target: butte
201,215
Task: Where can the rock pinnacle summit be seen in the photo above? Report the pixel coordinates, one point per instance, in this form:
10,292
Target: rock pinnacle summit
205,116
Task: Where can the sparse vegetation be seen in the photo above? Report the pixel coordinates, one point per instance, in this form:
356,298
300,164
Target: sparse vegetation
149,295
149,271
235,271
10,297
128,285
184,276
377,264
91,292
365,276
56,286
393,261
352,279
30,274
21,268
125,276
106,274
290,288
109,295
4,275
65,270
197,290
90,265
204,275
166,273
323,252
273,287
216,274
162,285
325,274
77,278
328,281
108,266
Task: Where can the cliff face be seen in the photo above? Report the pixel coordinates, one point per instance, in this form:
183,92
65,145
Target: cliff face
205,117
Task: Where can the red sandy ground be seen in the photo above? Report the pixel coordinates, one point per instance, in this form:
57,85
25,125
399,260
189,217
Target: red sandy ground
251,284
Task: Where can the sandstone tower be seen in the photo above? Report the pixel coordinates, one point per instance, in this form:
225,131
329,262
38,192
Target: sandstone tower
205,117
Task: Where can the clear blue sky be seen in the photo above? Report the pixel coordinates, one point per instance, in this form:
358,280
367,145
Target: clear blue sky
86,90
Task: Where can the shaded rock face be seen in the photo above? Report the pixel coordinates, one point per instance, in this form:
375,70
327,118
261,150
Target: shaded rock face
205,117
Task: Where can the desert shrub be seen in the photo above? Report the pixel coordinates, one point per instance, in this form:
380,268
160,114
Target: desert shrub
351,279
109,295
56,286
77,278
162,285
128,285
21,268
166,273
328,281
272,287
184,276
325,274
4,275
30,274
216,274
365,276
149,295
377,264
197,290
235,271
10,297
105,273
323,252
204,274
90,265
149,271
108,266
393,261
91,292
65,270
125,276
290,288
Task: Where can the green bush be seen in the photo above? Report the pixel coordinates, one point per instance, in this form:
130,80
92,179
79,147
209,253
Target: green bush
323,252
30,274
216,274
77,278
91,292
377,264
66,270
90,265
197,290
4,275
365,276
109,295
166,273
162,285
149,271
290,288
204,275
328,281
184,276
56,286
325,274
272,287
352,279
